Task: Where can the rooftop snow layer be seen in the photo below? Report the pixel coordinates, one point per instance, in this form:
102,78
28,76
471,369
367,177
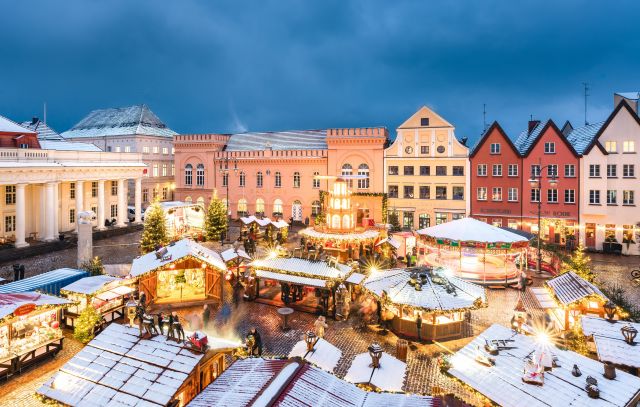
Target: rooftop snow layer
279,140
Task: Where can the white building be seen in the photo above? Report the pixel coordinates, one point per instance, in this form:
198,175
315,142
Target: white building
133,129
44,184
609,186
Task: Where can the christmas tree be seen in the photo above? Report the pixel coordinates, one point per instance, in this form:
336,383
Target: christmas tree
155,233
215,221
87,320
580,264
93,266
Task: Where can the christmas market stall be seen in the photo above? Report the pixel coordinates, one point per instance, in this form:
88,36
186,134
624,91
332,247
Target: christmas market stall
118,367
29,329
183,272
293,382
574,297
105,293
614,341
377,370
517,370
254,225
424,303
318,351
50,282
183,218
473,250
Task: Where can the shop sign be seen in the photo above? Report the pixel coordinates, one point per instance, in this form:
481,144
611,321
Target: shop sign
24,309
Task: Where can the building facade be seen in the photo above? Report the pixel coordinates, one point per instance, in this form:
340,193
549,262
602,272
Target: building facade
133,129
281,174
426,172
43,190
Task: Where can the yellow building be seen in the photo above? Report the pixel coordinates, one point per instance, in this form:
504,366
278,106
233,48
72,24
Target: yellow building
426,172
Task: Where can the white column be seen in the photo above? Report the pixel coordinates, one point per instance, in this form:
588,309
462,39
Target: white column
79,199
56,209
138,200
122,204
49,217
101,204
21,227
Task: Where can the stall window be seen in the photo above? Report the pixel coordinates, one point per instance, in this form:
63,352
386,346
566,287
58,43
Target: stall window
10,223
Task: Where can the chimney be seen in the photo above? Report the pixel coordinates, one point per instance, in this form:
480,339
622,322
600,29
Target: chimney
533,124
34,120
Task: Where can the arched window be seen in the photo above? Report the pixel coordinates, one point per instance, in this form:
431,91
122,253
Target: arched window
278,179
188,174
200,201
315,208
296,179
259,179
346,222
242,207
277,207
335,221
243,179
363,170
188,199
200,175
260,205
316,180
347,170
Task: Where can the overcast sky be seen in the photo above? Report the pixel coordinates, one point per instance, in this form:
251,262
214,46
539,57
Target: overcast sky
224,66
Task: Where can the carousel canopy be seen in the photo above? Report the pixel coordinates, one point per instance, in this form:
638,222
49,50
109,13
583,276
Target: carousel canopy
503,382
440,293
89,285
176,251
370,234
324,354
10,302
471,230
302,267
569,288
610,343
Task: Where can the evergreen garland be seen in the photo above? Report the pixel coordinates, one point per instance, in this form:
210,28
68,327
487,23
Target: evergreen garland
155,233
215,221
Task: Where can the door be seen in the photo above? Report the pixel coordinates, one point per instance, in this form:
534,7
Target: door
213,284
590,235
407,220
296,211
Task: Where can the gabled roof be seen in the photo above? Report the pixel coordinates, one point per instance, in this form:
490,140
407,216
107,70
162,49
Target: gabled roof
629,95
583,137
621,105
569,288
528,140
278,140
44,131
435,120
174,252
123,121
9,126
494,127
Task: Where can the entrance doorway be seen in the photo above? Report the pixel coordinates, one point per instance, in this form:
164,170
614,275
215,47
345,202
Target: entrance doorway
296,211
590,235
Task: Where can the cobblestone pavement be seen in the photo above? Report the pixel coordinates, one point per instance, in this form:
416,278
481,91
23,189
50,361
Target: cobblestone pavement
616,270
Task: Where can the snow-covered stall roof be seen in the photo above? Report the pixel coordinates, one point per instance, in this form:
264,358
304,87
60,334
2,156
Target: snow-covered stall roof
10,302
232,254
251,219
390,241
89,285
249,381
178,250
502,383
279,224
324,354
117,366
355,278
471,230
388,377
288,278
610,343
49,282
292,266
366,235
440,293
570,287
177,204
117,270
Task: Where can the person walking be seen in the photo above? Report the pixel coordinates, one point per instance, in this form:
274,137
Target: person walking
319,326
206,314
256,349
419,326
177,326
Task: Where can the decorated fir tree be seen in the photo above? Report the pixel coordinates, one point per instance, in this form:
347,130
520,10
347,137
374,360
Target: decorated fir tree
87,320
215,221
579,263
155,233
394,221
93,266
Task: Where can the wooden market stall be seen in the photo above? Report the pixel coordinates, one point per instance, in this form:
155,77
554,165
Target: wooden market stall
118,367
183,272
106,294
439,300
29,329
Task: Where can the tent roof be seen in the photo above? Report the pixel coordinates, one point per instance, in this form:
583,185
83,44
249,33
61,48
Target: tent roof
471,230
42,280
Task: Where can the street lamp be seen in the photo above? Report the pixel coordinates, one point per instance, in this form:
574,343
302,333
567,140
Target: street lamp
225,170
610,310
629,332
536,183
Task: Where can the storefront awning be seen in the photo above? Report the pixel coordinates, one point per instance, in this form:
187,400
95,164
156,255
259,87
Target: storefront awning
123,290
287,278
107,295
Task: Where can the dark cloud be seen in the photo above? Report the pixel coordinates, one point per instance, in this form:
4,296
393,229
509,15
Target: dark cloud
278,64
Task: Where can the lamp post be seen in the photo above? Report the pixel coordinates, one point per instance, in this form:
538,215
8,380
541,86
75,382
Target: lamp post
536,182
225,171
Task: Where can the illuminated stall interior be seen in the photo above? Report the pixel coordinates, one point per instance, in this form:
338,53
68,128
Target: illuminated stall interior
474,251
29,329
441,301
182,272
183,218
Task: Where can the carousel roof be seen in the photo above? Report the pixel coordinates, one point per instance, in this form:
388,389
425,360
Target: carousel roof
324,354
175,251
610,344
503,384
302,267
366,235
388,377
439,293
89,285
10,302
471,230
570,287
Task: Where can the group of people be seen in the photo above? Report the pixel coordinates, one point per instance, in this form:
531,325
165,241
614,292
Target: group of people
153,324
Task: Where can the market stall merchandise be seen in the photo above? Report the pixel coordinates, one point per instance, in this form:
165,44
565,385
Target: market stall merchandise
610,342
119,368
50,282
183,272
562,378
29,329
474,250
183,218
105,293
425,299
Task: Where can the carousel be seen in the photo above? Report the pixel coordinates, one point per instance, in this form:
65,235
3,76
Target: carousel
474,251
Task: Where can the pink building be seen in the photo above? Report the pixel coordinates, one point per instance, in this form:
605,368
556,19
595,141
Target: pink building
274,173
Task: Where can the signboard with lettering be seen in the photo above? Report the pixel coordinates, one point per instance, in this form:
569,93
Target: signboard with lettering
24,309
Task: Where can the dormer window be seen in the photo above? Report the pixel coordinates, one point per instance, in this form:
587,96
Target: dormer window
550,148
424,121
24,145
495,148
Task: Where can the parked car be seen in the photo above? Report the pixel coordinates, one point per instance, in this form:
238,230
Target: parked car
131,210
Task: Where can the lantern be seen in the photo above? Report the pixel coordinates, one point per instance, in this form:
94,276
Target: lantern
629,332
375,351
576,371
131,310
310,340
610,310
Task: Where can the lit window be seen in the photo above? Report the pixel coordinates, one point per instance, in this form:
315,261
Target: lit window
347,170
611,146
145,149
363,171
165,150
117,149
277,207
482,194
627,197
296,179
259,205
496,194
127,149
155,170
164,170
629,147
155,149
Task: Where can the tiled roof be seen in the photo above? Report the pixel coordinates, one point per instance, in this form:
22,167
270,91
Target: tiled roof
132,120
9,126
569,287
526,139
279,140
44,131
582,137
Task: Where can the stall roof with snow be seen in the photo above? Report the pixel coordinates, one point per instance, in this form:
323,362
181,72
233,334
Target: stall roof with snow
437,291
369,234
89,285
471,230
570,287
300,271
610,344
503,382
119,368
282,383
388,377
390,241
173,252
232,254
324,354
11,302
262,222
50,282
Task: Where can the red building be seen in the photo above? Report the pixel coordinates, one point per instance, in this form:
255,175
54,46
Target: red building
496,180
